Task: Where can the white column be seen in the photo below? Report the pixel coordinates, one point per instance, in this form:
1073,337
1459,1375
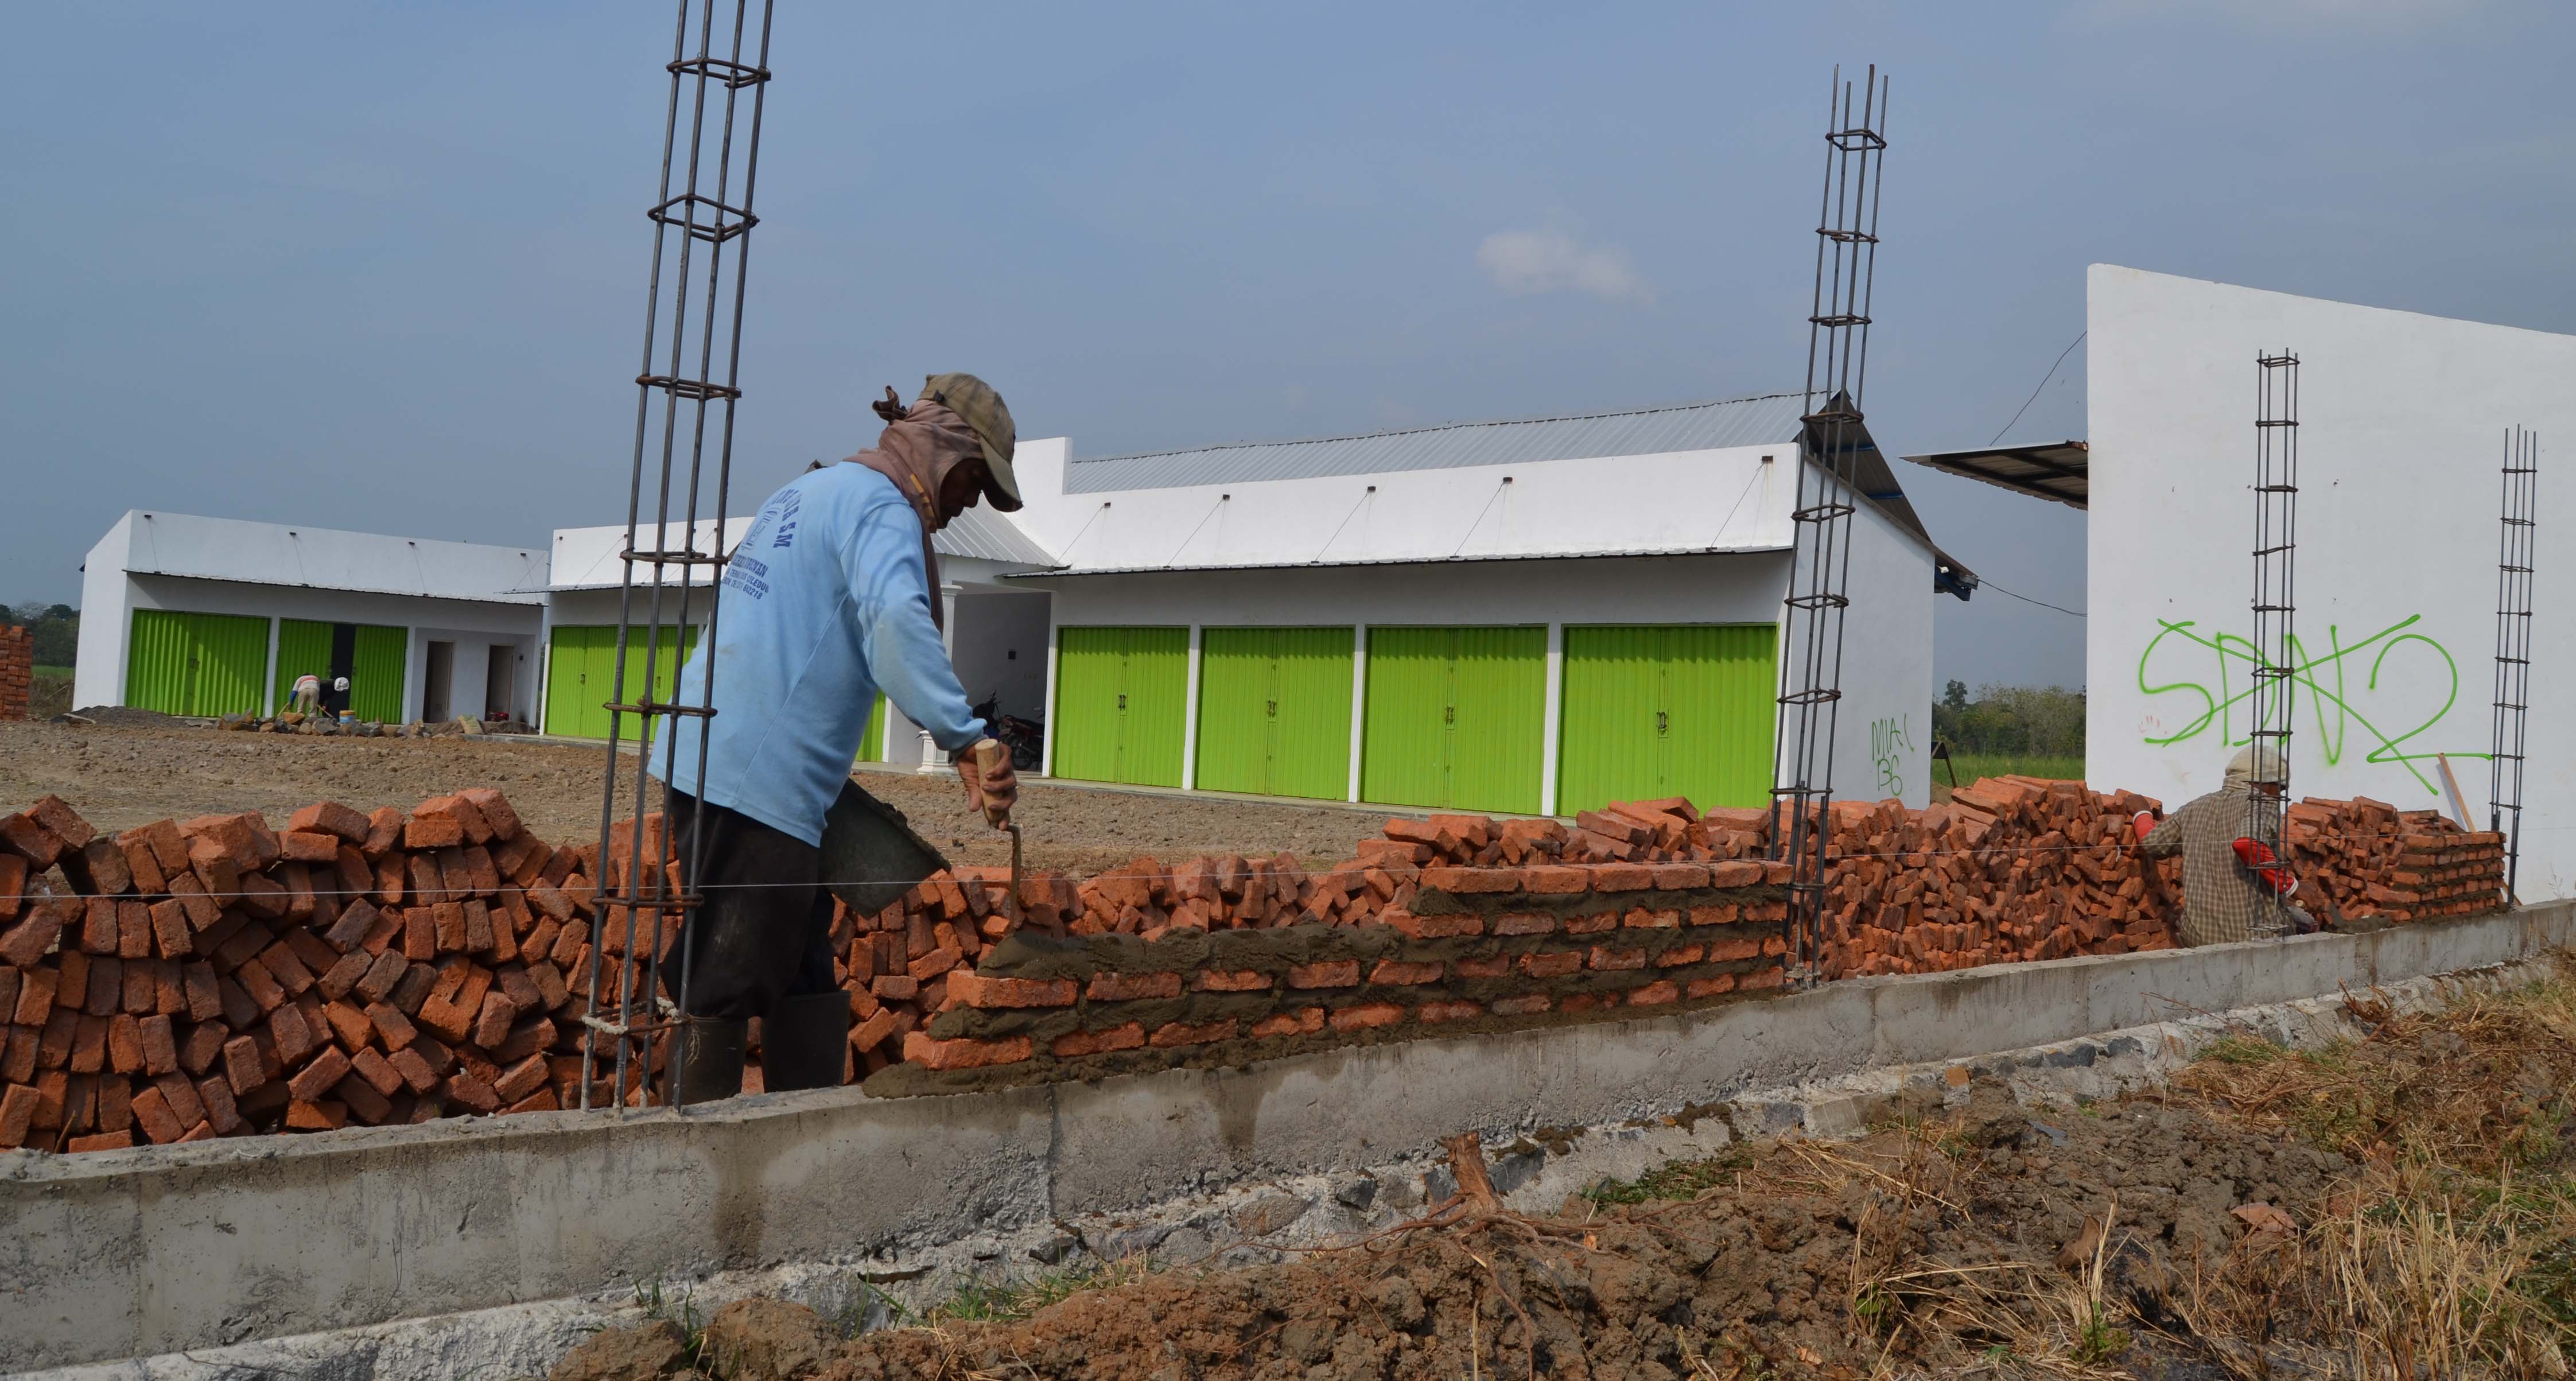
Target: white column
268,687
1046,749
930,763
1359,701
1190,718
1552,719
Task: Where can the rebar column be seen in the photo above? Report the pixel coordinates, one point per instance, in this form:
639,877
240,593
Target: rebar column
2275,604
2520,508
1820,565
685,397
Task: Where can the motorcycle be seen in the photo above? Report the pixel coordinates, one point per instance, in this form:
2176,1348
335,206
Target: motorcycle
1025,738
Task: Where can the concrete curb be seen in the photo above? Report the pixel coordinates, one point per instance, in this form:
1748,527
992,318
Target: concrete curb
160,1249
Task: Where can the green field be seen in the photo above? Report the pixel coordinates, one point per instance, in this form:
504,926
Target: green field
1971,766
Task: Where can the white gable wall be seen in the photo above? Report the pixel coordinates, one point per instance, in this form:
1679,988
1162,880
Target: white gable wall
2401,441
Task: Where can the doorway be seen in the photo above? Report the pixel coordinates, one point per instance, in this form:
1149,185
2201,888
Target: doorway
440,670
500,675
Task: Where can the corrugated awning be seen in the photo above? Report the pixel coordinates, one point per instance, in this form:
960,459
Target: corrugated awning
2059,470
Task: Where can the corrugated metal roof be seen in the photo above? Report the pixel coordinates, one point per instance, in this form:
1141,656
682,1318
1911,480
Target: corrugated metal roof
1772,417
1620,553
988,536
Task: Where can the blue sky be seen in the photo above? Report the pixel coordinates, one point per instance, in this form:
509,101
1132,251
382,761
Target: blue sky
381,267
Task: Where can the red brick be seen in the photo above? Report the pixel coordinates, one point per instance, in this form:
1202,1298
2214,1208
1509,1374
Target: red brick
521,1079
1556,965
96,1141
18,1113
495,810
415,1071
62,821
465,1088
432,832
1741,872
1432,927
1305,1021
895,987
974,990
1680,955
1525,923
933,964
1472,880
1715,915
309,846
1673,877
378,1071
1775,871
873,1032
243,1068
1433,1012
1495,966
1731,950
1621,877
1329,973
329,817
316,1079
1129,987
1522,1005
1654,994
1180,1033
317,1117
1608,958
1405,973
1547,878
1231,981
920,1048
1075,1044
152,1113
1592,923
160,1049
1367,1015
1762,978
1641,918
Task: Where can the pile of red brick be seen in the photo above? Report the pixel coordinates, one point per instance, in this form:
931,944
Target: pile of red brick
2372,859
2012,868
17,671
213,977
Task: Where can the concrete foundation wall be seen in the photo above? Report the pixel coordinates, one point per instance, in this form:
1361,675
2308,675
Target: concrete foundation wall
133,1253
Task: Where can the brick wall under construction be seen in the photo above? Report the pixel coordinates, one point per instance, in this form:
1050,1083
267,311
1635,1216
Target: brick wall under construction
17,671
220,977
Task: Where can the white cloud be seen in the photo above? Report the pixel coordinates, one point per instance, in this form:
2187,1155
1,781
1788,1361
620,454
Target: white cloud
1552,260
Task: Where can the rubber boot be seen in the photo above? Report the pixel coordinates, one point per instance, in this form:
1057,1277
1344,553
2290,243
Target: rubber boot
805,1042
708,1065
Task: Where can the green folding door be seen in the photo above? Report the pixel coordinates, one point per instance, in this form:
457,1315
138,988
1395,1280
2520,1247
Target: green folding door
1667,710
302,646
1275,711
376,673
1119,699
581,675
1456,717
196,664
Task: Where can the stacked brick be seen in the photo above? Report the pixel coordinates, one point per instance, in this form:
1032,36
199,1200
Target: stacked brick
17,671
2010,869
216,976
2372,859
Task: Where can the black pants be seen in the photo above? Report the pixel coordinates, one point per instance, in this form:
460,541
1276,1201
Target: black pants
765,929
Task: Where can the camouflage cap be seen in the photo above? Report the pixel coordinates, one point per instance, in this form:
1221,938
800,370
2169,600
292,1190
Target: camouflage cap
975,400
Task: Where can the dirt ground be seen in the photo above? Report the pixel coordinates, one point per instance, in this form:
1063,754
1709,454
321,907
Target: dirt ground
2399,1206
119,776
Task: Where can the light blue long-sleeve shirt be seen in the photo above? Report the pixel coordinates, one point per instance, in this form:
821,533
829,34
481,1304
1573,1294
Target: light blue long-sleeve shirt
824,604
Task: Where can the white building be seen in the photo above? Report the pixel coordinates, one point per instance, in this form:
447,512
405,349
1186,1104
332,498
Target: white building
1534,616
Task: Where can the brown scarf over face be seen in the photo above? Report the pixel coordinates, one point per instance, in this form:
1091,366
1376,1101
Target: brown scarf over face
917,453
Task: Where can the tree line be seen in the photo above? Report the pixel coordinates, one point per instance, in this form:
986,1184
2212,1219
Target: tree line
2038,721
55,628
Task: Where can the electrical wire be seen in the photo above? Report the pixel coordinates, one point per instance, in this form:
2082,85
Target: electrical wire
2043,382
1985,584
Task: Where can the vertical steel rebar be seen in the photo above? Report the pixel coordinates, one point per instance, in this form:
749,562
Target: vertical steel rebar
1820,561
2275,605
641,889
2514,561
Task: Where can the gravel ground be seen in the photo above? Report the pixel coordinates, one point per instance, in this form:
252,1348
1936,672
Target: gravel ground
119,776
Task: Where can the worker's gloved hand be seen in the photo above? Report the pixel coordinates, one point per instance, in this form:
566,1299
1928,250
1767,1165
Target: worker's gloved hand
991,785
2144,823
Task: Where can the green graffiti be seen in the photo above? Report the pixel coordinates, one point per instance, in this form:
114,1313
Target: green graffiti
2333,714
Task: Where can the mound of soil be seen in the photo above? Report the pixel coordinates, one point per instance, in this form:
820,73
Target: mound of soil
1817,1259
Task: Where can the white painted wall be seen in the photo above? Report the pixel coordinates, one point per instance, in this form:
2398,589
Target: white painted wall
2401,441
1723,500
1883,733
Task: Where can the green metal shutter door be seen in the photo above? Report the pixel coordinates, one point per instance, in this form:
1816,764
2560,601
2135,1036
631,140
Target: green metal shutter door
872,738
1310,745
1653,711
1722,689
230,657
572,703
1608,745
1455,717
376,673
302,646
1088,663
1158,695
156,662
1238,693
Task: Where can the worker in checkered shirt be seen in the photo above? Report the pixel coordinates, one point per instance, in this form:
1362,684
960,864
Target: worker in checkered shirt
2224,897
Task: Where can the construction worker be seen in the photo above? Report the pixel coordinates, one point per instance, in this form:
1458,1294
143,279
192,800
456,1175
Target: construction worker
307,698
830,597
2233,885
